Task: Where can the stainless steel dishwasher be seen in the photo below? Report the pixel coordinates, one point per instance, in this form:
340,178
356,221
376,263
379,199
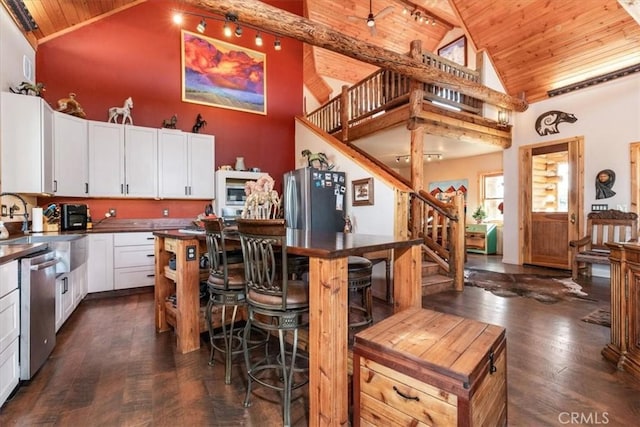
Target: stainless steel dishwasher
37,311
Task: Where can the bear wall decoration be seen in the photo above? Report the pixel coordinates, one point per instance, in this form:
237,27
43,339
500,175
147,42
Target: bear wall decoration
547,123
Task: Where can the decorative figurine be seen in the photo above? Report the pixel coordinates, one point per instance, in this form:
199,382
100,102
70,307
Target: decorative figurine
71,106
200,123
170,123
317,160
27,88
348,226
124,111
604,181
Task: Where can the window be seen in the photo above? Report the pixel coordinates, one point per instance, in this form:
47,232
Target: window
492,194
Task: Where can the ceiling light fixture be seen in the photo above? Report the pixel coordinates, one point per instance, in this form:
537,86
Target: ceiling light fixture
427,156
201,26
277,45
258,39
504,118
238,31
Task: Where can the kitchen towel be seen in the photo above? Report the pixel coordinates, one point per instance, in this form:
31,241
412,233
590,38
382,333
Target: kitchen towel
36,220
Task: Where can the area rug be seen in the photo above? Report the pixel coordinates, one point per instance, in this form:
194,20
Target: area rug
543,288
601,316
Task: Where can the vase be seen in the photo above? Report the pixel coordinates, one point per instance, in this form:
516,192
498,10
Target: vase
240,164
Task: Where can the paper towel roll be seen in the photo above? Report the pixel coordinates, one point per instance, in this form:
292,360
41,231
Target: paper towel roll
36,220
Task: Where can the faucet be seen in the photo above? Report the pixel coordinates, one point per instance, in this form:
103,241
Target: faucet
25,223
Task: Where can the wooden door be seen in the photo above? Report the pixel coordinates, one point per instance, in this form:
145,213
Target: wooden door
551,180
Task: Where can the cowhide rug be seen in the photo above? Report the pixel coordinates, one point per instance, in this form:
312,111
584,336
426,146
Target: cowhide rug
601,316
543,288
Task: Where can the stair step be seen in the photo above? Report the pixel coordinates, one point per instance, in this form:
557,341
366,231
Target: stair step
429,268
434,283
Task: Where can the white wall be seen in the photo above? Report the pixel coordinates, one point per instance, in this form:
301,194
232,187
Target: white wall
13,49
607,120
375,219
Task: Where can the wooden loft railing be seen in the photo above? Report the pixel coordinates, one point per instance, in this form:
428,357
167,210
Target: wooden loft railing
386,89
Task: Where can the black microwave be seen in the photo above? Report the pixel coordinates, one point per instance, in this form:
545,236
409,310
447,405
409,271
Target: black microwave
73,217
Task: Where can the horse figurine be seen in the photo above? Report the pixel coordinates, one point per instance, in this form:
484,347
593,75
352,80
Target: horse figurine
317,160
170,123
200,123
124,111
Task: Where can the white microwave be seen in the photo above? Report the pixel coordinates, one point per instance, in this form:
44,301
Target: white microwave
235,195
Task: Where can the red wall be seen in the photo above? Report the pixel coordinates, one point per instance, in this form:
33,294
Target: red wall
136,53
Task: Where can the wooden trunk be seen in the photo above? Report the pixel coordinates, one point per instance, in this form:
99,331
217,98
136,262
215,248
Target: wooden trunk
421,367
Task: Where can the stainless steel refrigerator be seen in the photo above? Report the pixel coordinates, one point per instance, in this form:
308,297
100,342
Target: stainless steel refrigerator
314,199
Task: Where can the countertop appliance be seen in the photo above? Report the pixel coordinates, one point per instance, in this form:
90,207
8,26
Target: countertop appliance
314,199
37,311
73,217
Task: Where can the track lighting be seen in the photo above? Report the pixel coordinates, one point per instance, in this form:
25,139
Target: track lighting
427,156
201,26
229,20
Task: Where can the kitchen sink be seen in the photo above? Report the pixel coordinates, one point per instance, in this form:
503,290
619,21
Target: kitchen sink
71,249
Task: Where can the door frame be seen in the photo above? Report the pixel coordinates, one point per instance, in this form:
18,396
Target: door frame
575,212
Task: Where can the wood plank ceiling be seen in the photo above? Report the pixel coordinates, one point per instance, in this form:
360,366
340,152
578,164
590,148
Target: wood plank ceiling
535,45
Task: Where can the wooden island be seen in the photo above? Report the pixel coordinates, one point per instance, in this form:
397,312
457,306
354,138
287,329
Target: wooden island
328,299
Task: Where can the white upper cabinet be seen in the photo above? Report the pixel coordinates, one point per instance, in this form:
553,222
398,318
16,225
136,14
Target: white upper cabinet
71,156
26,144
186,165
123,160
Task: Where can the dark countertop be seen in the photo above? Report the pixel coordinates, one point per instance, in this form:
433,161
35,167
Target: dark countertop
14,251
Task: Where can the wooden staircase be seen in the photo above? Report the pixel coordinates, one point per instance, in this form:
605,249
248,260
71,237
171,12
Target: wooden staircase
434,279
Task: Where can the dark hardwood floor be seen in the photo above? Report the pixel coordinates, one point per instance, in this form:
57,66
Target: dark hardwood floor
110,368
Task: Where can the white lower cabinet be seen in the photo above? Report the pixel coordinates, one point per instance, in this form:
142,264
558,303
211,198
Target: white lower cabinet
121,261
70,290
9,329
133,260
100,262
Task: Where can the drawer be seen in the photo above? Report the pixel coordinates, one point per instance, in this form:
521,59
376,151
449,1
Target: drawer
9,318
133,256
422,402
9,369
133,277
133,239
8,277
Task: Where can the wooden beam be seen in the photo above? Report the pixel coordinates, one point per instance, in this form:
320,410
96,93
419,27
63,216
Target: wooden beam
286,24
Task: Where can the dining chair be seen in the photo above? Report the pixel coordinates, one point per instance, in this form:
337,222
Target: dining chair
226,286
277,304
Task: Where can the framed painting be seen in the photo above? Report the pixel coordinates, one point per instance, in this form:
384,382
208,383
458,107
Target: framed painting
455,51
362,192
220,74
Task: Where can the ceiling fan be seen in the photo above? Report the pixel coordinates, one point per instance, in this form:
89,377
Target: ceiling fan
371,18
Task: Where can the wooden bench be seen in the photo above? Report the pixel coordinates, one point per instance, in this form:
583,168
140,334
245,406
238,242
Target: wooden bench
602,227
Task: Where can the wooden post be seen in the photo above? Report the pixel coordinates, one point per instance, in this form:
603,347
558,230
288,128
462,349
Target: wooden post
458,244
345,109
416,97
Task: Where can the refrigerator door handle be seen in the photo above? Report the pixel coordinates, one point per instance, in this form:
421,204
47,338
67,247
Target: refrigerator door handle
290,203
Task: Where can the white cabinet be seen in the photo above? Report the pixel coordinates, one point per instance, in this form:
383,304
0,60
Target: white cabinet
71,171
186,162
133,260
123,160
9,329
26,144
100,262
70,290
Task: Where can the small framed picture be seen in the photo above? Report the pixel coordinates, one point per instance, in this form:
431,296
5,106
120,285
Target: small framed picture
455,51
362,192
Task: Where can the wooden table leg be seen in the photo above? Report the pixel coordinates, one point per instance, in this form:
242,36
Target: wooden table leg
328,382
407,278
188,296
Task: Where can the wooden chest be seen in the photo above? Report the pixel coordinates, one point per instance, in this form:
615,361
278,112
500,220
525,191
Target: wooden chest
421,367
